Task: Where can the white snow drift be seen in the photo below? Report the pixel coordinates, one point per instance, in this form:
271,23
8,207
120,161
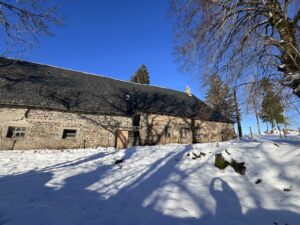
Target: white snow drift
153,185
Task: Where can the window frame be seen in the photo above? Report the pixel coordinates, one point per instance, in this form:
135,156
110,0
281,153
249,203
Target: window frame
167,132
136,120
16,132
66,137
184,132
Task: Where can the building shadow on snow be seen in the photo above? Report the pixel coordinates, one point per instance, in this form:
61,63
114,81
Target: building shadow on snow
126,198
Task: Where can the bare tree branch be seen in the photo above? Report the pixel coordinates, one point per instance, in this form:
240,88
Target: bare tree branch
23,21
215,35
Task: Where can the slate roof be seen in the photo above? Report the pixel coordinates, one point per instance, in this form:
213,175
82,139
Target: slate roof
35,85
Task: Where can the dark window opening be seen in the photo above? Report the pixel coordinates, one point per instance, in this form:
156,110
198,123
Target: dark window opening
136,120
15,132
68,133
167,132
184,132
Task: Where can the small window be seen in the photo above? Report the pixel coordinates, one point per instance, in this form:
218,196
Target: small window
136,120
68,133
167,132
15,132
184,132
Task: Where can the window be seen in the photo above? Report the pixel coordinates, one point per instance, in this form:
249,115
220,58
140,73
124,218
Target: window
15,132
69,133
167,132
184,132
136,120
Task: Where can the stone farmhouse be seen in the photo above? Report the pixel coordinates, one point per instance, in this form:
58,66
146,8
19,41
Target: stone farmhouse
44,107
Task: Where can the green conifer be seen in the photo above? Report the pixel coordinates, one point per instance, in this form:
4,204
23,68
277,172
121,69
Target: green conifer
272,109
141,76
219,97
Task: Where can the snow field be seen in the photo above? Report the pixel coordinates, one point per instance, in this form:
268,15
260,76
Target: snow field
153,185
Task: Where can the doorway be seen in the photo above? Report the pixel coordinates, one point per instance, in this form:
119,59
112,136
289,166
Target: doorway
122,138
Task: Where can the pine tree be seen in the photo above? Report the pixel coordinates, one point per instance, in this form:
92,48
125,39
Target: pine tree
219,97
272,109
141,76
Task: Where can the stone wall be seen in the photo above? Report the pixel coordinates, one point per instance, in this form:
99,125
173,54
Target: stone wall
44,129
158,129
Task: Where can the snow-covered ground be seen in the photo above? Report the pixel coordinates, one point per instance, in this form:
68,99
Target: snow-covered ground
154,185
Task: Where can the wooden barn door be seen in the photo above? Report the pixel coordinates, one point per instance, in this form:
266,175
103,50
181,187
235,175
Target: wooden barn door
122,138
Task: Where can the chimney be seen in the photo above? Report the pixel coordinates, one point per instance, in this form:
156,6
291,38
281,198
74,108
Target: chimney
188,91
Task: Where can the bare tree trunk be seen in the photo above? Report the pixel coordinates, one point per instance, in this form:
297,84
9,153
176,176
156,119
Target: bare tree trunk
288,47
256,115
273,126
279,129
258,124
284,132
237,113
251,134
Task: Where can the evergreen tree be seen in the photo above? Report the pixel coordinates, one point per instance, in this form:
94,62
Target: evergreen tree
219,97
141,76
272,109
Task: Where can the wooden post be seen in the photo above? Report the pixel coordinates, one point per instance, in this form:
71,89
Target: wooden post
251,135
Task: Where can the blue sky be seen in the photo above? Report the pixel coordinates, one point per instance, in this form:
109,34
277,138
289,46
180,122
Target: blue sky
113,38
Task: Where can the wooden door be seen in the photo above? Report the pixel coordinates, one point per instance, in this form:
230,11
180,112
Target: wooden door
122,138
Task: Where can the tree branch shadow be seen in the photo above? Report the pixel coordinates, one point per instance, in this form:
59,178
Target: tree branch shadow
106,194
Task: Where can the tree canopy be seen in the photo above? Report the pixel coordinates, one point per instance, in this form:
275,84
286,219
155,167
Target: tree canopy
272,109
219,96
141,76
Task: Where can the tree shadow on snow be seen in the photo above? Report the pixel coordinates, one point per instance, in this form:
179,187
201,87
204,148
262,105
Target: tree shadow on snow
291,140
28,199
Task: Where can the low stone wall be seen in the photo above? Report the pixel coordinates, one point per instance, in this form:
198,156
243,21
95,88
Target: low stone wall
44,129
